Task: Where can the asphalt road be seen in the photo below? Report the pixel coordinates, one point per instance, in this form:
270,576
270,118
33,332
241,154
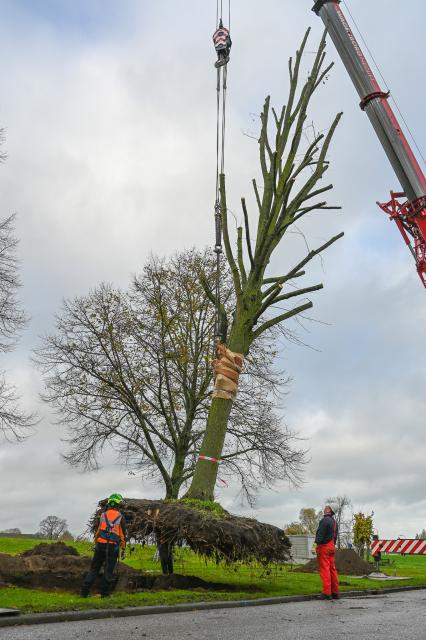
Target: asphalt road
399,616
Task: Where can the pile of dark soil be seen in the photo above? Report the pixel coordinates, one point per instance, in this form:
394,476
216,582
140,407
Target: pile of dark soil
53,571
347,562
51,549
210,533
42,568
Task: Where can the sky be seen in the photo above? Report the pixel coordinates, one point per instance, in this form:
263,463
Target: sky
109,112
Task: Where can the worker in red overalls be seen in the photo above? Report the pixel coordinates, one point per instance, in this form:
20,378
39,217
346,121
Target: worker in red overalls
222,43
325,539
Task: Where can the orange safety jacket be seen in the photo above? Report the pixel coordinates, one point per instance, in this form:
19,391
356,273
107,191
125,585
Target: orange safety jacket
110,528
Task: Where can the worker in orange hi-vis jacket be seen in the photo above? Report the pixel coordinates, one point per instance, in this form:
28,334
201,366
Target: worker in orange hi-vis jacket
325,540
222,43
110,537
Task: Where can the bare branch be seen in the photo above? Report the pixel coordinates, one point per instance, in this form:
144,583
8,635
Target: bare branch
226,240
247,228
313,253
241,256
274,297
281,279
284,316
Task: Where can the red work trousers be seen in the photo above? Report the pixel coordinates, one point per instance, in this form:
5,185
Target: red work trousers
327,568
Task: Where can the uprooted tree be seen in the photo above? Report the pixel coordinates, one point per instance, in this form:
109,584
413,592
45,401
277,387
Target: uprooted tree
289,192
290,175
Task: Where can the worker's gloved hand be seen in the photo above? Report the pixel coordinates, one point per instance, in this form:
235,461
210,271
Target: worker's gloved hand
123,554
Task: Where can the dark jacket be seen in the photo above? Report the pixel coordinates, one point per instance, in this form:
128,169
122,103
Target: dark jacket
327,530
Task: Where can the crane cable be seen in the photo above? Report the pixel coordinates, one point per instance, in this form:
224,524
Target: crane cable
219,13
221,87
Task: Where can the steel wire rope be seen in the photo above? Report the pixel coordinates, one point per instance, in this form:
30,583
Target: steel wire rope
217,134
218,239
224,88
384,81
221,88
220,168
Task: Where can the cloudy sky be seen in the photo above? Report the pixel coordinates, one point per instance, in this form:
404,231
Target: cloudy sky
109,111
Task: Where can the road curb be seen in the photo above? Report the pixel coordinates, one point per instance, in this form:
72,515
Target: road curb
96,614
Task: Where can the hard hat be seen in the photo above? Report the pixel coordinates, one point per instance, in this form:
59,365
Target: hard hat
115,498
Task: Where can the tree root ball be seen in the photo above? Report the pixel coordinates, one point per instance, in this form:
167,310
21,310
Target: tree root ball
205,527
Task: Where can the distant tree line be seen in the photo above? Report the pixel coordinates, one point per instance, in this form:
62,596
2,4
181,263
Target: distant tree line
50,528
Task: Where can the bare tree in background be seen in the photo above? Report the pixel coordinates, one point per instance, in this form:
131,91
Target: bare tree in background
12,532
132,371
15,423
52,527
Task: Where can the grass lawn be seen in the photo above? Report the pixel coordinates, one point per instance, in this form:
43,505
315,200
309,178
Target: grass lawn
277,581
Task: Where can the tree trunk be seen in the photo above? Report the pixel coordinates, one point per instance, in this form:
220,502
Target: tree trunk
205,474
204,479
175,483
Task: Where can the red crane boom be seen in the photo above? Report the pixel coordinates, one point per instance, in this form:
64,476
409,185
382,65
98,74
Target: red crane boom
407,207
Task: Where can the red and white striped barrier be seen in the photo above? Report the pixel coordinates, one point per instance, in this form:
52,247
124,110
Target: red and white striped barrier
399,546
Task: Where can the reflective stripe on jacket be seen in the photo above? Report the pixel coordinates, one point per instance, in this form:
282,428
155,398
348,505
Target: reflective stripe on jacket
110,528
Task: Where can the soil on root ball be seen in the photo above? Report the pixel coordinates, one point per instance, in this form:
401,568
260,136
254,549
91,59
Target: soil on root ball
208,531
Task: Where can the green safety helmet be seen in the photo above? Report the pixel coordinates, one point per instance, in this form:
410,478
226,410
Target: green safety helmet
115,498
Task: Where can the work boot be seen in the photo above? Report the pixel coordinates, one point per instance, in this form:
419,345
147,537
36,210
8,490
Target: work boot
335,596
325,596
